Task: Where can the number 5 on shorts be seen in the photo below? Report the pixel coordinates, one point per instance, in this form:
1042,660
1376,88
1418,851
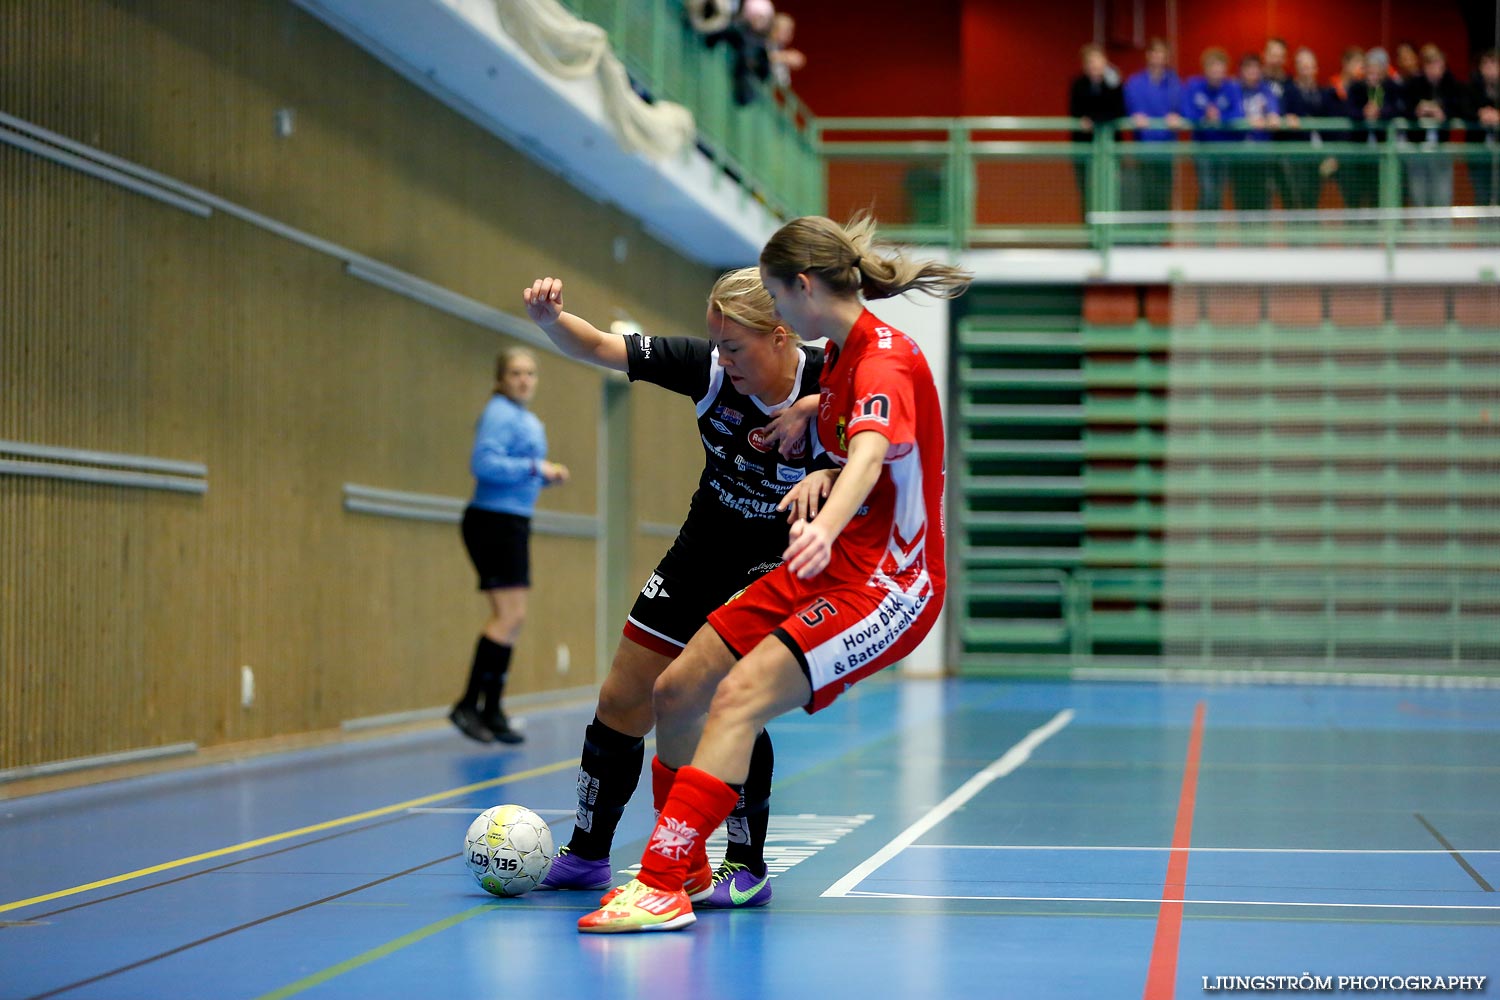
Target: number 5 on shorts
816,612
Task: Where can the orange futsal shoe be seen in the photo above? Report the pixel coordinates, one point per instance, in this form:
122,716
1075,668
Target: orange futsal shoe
636,906
699,885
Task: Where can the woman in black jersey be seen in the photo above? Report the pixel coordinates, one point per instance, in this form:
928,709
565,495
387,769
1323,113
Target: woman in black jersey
743,380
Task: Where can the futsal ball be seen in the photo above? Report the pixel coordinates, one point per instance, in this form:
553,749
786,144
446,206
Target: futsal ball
508,849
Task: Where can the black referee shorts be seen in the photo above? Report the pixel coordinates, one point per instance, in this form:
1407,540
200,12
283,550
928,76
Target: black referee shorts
499,547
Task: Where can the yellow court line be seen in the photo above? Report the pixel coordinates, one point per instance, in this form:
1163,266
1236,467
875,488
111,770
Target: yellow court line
374,954
534,772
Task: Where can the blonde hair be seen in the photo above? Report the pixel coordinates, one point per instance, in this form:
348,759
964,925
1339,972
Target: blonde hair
739,297
502,362
849,259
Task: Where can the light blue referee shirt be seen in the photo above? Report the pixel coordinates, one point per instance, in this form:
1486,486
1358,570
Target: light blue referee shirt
509,446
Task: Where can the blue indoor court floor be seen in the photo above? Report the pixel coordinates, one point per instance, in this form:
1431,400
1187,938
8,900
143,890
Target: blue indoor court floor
931,839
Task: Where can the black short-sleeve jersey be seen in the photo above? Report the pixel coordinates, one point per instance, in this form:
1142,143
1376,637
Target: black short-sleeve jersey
744,477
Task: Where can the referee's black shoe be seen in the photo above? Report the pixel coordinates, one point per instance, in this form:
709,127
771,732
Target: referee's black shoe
467,719
499,727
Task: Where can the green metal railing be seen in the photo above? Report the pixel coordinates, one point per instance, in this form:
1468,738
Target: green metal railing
1341,616
766,145
1042,181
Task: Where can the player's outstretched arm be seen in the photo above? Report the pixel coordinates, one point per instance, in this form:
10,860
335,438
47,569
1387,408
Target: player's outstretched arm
574,336
812,541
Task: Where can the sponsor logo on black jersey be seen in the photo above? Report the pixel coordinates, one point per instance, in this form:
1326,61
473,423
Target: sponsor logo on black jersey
714,449
645,346
758,440
745,465
787,474
718,425
729,415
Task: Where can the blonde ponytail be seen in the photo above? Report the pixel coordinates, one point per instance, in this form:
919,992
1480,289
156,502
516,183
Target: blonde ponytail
850,259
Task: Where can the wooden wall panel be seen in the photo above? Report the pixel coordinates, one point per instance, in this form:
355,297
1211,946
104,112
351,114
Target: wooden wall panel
129,326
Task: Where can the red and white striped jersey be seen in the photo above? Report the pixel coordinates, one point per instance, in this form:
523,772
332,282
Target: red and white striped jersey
880,381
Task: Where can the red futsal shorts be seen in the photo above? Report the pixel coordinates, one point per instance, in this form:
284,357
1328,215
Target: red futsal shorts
840,633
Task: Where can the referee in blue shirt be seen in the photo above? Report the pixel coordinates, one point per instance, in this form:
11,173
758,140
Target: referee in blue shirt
510,468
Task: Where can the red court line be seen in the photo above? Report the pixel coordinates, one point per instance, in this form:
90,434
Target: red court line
1161,979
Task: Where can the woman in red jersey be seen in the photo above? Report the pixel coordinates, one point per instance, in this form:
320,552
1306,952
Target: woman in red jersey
863,578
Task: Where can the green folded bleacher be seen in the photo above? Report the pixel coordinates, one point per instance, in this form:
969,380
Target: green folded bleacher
1231,474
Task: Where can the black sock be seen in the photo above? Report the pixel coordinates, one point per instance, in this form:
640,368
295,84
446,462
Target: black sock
607,775
480,666
747,823
492,678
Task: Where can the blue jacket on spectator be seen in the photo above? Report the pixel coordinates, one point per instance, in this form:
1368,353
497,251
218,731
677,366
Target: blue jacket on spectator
1261,101
509,446
1197,96
1154,99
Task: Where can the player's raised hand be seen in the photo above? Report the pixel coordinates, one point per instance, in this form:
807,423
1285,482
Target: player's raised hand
544,301
803,501
809,551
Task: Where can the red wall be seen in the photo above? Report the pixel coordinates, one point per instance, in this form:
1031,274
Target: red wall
1015,57
899,59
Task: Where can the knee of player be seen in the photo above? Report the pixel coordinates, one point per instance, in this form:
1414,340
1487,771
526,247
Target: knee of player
671,694
738,698
623,695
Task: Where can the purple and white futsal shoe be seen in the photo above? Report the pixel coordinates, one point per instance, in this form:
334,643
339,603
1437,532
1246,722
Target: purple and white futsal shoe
735,888
569,871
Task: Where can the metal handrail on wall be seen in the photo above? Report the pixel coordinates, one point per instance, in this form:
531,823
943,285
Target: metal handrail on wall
951,151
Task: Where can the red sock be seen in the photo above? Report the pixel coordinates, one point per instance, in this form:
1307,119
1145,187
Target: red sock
698,804
662,777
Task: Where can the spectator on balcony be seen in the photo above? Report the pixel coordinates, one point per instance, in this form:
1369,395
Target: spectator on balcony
1094,98
1153,93
1484,141
784,59
1252,177
1408,65
1433,97
1351,70
1273,63
1372,103
749,37
1305,99
1273,60
1212,106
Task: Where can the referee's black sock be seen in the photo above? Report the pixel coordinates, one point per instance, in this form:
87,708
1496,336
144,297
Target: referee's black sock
608,772
493,660
484,655
752,814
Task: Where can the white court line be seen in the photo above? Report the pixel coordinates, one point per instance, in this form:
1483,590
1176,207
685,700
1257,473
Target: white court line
1196,850
1007,762
1156,901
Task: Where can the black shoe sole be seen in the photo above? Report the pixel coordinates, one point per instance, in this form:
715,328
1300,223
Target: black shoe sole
467,722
